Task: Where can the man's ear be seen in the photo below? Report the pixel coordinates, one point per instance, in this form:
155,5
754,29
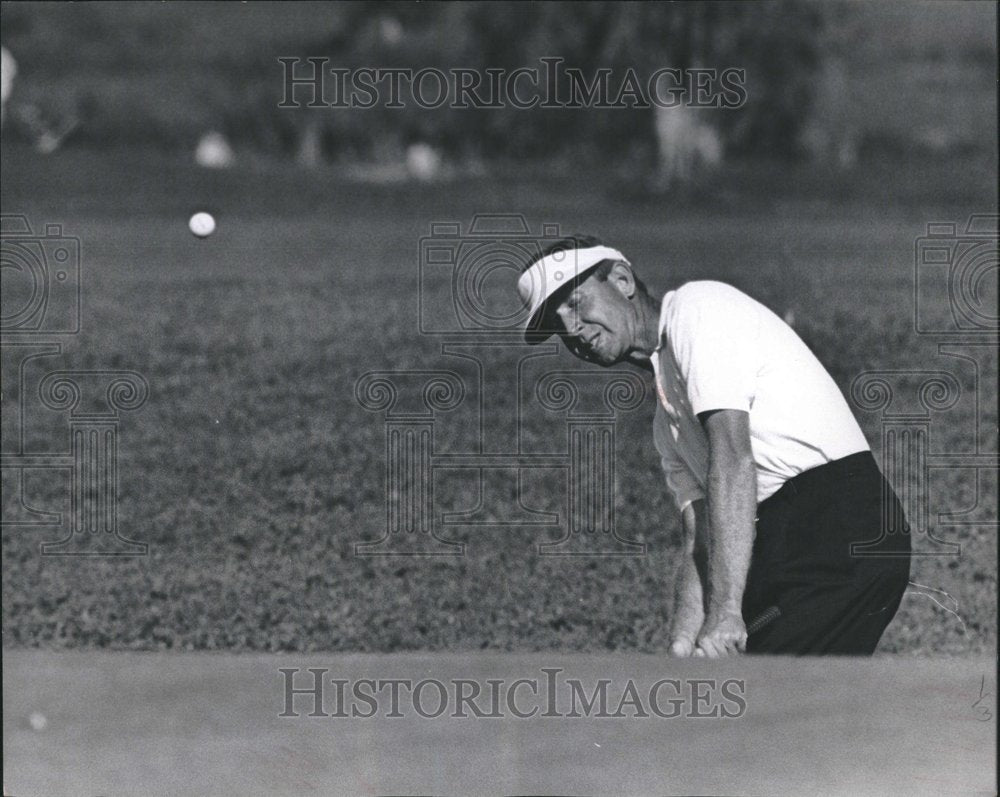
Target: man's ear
622,278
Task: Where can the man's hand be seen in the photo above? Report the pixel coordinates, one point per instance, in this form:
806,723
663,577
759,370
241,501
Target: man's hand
722,635
682,647
684,631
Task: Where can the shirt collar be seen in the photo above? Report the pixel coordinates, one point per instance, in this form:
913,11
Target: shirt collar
662,328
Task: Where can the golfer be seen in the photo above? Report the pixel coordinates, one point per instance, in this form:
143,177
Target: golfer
767,465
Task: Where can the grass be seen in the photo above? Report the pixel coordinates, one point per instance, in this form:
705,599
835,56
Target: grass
253,471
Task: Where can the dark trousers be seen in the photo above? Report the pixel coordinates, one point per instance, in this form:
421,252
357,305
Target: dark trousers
813,595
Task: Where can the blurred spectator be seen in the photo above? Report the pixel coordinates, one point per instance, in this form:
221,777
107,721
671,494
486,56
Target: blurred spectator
8,71
688,145
213,151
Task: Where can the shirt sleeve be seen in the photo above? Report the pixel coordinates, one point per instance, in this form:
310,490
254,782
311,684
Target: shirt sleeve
683,486
715,335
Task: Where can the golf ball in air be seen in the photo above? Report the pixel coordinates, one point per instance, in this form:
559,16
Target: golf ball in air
202,224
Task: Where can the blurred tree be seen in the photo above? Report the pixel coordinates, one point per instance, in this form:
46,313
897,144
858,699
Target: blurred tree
166,73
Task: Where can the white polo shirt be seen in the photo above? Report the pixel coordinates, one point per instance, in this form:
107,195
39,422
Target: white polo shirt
719,349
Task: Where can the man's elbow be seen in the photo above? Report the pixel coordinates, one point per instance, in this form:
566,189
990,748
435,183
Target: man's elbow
735,468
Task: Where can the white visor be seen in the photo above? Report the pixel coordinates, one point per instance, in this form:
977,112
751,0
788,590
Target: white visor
546,276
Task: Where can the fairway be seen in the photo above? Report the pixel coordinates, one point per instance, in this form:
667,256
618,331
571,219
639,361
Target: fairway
124,724
252,471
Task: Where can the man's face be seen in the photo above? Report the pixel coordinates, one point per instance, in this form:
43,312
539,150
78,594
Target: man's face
596,316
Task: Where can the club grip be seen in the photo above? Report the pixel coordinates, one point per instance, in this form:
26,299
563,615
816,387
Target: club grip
765,618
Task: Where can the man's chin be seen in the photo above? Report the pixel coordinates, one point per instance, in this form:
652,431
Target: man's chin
597,357
603,360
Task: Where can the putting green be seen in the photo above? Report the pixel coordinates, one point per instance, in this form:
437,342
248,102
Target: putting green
152,724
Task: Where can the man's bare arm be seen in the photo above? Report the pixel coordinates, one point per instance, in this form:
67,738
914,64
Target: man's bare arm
689,596
732,505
